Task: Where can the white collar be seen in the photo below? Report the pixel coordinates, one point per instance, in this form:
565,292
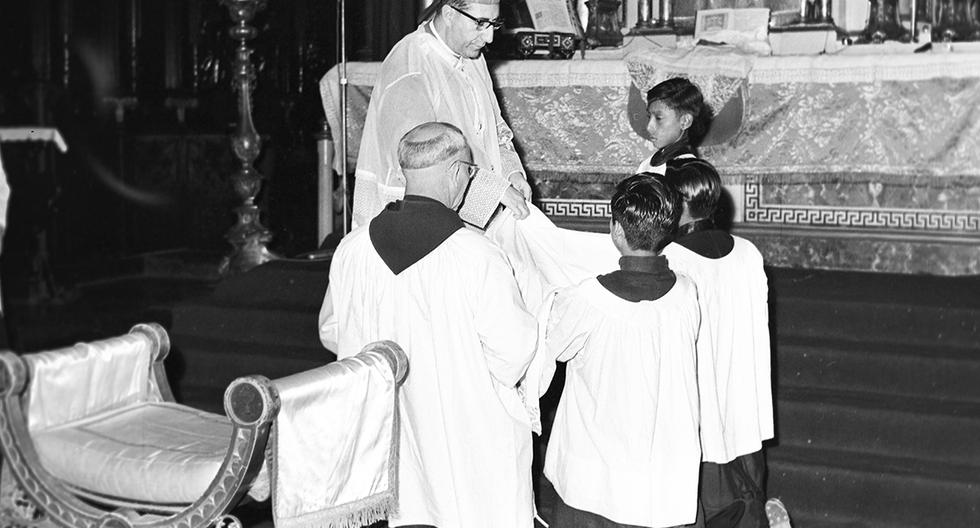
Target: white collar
447,52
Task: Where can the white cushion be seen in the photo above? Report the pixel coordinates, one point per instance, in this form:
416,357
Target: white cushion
149,452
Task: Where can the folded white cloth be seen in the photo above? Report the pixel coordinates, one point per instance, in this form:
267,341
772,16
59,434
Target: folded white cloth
546,258
334,455
34,134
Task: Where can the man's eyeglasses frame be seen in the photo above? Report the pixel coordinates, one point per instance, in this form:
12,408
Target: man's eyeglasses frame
471,168
481,23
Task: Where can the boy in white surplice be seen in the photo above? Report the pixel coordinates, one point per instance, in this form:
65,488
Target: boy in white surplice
448,296
624,447
733,346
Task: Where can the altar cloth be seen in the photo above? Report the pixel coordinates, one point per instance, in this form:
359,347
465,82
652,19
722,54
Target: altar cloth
879,144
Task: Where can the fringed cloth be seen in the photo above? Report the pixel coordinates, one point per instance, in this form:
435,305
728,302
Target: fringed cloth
334,446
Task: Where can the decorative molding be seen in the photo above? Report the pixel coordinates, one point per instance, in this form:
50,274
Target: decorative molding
577,208
854,217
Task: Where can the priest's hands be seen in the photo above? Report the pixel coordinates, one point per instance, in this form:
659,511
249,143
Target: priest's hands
520,183
515,202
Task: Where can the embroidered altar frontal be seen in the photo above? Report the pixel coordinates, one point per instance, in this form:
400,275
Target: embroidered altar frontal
856,161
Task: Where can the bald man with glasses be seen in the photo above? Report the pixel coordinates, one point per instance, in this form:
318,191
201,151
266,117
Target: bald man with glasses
448,296
438,73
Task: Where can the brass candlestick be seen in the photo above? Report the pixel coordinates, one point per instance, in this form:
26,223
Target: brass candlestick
645,25
248,236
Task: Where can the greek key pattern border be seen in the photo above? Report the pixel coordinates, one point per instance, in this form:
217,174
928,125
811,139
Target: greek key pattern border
887,218
576,208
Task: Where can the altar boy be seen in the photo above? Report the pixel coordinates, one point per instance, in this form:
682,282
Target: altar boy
624,448
733,347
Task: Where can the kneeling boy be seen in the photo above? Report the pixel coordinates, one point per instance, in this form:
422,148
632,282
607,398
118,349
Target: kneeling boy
733,347
624,447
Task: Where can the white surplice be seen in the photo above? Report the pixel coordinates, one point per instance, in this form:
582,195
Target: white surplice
733,349
624,443
465,455
423,80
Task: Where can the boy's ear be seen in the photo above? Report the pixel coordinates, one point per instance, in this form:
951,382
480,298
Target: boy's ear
686,120
616,231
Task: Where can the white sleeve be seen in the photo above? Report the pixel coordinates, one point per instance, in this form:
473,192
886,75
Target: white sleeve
507,331
568,328
327,321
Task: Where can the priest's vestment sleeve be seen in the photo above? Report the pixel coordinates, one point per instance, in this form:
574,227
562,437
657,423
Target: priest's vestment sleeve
398,108
509,160
503,323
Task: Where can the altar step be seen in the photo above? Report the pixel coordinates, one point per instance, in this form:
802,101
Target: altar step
832,488
877,307
931,371
877,400
260,322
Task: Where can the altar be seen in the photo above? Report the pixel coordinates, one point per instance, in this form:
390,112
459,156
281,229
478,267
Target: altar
867,159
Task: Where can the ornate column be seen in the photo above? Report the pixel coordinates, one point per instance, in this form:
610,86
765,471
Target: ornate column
248,236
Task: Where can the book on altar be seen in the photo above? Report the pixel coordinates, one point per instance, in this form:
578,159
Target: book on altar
732,26
553,16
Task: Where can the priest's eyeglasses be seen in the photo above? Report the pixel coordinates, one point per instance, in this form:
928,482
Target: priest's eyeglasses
481,23
470,168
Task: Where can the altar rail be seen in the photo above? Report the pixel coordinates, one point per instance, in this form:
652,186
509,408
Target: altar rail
866,160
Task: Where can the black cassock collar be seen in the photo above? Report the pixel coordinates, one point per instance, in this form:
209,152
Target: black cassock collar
702,237
640,279
408,230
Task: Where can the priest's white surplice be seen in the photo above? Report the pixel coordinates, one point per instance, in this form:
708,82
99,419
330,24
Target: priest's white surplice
465,455
422,80
733,349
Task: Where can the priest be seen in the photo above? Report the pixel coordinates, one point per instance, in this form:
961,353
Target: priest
438,73
448,296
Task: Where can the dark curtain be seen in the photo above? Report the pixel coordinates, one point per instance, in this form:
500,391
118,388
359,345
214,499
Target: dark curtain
376,25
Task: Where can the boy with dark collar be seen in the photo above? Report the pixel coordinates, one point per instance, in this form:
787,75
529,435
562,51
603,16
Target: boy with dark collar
733,347
623,450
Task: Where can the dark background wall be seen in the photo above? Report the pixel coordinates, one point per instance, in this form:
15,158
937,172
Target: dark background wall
140,90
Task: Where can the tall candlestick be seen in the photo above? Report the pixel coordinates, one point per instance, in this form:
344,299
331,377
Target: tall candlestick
644,14
666,18
248,236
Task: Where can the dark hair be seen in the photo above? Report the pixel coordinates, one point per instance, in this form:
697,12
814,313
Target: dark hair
430,12
698,184
648,211
683,96
679,94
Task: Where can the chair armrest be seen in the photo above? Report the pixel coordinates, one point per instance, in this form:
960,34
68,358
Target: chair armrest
13,374
395,356
251,401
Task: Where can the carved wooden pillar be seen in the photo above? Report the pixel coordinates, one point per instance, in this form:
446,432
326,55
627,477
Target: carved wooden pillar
248,236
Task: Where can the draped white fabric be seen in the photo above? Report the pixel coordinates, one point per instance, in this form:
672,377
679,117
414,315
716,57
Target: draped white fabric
546,257
83,380
335,445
